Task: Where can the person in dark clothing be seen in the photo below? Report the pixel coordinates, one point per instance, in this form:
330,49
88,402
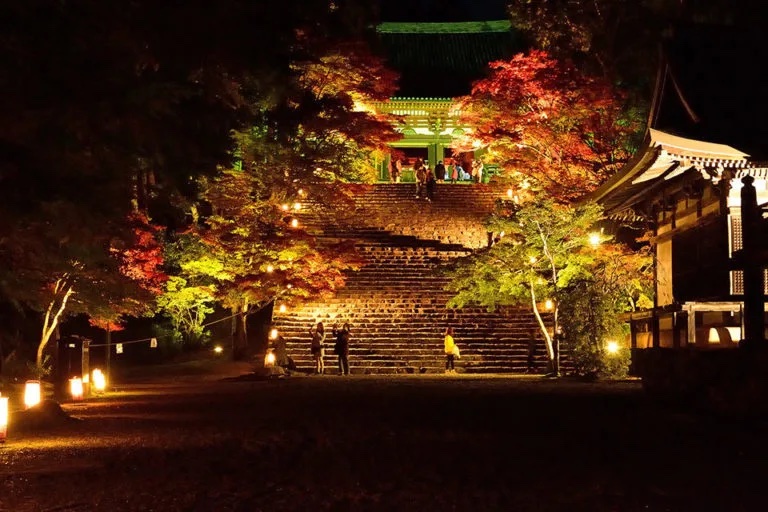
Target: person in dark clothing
318,347
342,347
440,171
430,185
531,368
421,178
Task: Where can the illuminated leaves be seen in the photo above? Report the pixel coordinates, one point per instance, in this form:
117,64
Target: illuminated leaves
545,122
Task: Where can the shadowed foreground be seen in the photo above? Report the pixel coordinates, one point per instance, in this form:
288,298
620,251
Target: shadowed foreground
384,443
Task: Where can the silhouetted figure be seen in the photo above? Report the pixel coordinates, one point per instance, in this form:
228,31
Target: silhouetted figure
317,347
430,185
440,171
421,177
341,348
395,170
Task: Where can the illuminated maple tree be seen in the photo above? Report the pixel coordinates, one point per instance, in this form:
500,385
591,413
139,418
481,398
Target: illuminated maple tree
547,249
548,126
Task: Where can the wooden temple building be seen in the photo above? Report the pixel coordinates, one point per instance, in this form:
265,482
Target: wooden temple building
695,186
437,62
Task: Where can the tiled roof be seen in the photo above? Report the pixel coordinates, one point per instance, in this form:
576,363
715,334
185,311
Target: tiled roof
443,59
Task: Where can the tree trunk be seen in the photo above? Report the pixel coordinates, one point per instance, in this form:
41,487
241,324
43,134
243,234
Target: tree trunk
108,355
51,319
547,337
240,340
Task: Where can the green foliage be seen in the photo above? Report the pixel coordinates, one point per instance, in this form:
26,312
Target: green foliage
589,320
547,252
187,306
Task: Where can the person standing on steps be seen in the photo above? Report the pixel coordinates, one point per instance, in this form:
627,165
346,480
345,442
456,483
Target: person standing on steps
317,347
421,177
430,185
440,172
451,351
342,347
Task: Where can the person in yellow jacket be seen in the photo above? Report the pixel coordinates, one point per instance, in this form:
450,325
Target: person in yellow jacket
451,351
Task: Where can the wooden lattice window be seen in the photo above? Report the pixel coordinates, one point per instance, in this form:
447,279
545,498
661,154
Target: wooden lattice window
736,244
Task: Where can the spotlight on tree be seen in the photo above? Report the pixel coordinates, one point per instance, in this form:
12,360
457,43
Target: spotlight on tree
549,305
595,239
270,269
612,347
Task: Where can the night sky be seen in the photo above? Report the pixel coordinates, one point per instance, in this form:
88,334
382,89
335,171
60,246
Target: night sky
443,10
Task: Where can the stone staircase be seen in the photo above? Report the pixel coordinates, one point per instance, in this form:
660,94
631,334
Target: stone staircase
396,303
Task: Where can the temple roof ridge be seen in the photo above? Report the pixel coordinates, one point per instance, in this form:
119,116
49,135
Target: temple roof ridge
459,27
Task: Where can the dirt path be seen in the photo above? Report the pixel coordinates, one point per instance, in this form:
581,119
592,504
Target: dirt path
384,444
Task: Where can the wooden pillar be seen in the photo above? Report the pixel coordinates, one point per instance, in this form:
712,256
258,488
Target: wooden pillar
754,308
676,329
691,335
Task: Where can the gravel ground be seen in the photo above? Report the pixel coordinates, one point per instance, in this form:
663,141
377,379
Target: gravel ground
366,443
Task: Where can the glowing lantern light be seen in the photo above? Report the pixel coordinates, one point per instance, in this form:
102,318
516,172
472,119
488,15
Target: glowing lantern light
282,308
285,207
548,304
301,192
289,286
3,418
218,349
532,259
270,268
510,193
32,394
76,388
273,334
295,223
269,359
594,239
99,380
612,347
297,206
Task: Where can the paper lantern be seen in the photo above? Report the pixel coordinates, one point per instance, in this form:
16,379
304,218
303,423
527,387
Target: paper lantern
32,393
269,359
76,388
99,381
3,418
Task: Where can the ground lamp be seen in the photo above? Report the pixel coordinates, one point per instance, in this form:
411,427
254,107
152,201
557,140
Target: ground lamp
218,349
76,388
269,359
32,394
99,380
273,334
282,308
3,418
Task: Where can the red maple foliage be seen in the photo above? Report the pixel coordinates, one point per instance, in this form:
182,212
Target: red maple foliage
545,122
142,260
